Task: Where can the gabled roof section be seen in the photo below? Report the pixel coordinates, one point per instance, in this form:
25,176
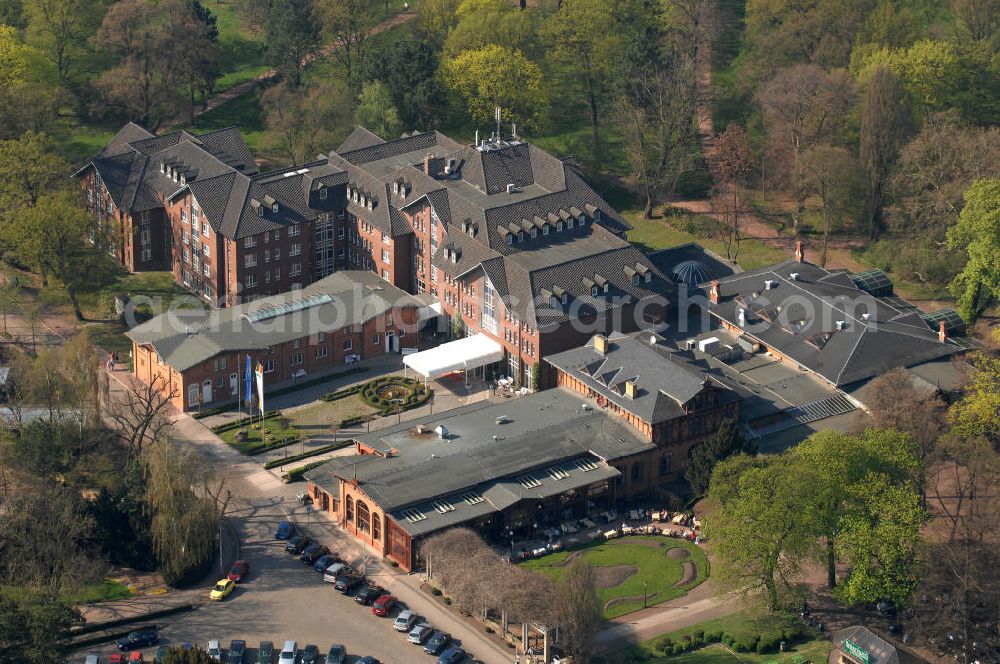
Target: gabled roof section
360,138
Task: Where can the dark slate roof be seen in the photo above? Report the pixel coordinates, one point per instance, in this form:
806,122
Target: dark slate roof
799,319
548,429
360,138
186,338
665,378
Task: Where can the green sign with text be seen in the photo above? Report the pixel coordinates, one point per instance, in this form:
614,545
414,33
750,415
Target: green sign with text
854,650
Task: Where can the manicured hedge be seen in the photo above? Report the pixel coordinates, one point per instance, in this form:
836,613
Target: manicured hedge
763,643
239,424
305,455
295,474
341,394
274,445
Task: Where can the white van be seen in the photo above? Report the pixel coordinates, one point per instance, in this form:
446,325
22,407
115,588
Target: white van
288,652
333,571
215,650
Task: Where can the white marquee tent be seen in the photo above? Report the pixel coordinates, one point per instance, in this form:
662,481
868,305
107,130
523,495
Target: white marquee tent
459,355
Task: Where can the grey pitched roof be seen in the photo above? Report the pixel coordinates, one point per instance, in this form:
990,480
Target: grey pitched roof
541,431
799,319
358,139
186,338
665,378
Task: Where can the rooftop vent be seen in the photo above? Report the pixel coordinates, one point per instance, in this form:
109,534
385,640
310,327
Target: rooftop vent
502,419
449,166
442,432
421,429
794,276
769,284
865,316
841,324
585,406
511,188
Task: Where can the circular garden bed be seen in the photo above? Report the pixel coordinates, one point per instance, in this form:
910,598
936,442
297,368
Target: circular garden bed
392,393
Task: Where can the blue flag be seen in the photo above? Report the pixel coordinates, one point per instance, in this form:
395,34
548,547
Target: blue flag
248,382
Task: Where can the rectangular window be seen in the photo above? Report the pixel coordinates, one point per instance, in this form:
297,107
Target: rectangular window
251,280
184,216
187,255
385,238
295,270
268,366
340,233
267,276
206,269
375,338
322,193
322,351
296,344
665,465
294,230
204,251
207,290
204,229
348,344
385,256
296,358
295,250
637,469
185,237
320,336
250,241
267,255
277,253
147,255
277,274
249,260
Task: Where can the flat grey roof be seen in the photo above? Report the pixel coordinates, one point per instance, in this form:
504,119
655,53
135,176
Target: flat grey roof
540,431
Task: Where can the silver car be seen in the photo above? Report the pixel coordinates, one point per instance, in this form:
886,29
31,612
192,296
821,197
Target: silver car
404,621
215,650
420,633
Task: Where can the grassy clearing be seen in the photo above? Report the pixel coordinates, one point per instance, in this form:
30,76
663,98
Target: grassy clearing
317,420
103,591
653,567
653,234
243,112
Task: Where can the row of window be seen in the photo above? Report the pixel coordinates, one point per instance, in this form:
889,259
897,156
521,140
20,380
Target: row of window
250,241
521,236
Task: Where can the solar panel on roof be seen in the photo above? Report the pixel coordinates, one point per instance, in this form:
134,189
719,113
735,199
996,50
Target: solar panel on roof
953,322
275,310
873,281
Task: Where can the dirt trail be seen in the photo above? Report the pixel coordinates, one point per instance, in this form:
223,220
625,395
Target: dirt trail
243,88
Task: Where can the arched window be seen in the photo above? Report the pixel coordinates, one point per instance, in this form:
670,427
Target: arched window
349,509
376,527
363,516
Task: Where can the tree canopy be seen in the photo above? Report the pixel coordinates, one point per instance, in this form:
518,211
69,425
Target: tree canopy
977,233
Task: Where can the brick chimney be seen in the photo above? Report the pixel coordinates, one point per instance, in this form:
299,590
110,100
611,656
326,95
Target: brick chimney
427,163
630,389
941,333
601,344
799,254
713,291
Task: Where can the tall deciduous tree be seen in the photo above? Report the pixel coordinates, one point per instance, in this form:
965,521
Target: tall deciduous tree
36,630
348,23
655,118
587,39
435,19
29,167
497,76
885,123
581,609
62,30
760,539
483,23
732,166
833,174
978,234
977,414
292,33
409,69
803,106
304,121
376,110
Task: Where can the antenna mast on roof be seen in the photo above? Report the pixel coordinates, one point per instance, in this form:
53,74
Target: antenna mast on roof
498,123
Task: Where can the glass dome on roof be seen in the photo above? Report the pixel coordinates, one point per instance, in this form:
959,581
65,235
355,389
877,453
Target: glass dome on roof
691,273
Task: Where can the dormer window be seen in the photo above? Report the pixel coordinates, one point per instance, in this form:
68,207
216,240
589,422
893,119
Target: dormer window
274,208
260,211
570,222
554,302
322,193
545,229
520,236
583,220
635,279
163,167
605,288
559,226
534,233
593,291
597,215
183,179
648,277
510,239
565,298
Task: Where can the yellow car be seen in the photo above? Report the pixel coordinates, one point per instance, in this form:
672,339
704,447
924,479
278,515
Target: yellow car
221,590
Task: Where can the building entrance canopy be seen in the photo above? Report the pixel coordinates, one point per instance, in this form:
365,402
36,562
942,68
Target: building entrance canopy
460,355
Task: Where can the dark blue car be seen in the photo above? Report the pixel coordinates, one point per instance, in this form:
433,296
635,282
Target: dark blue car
437,643
451,656
285,530
138,639
325,561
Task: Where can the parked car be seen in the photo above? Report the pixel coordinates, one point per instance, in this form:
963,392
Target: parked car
297,544
286,530
135,657
239,569
404,621
265,652
420,633
348,583
236,649
331,573
214,650
161,654
368,659
222,590
310,655
288,653
451,656
325,561
92,659
437,643
142,638
886,607
312,553
368,595
118,658
384,605
337,654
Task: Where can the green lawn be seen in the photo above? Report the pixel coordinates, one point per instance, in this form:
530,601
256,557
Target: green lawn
653,234
255,435
653,566
103,591
742,625
310,422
